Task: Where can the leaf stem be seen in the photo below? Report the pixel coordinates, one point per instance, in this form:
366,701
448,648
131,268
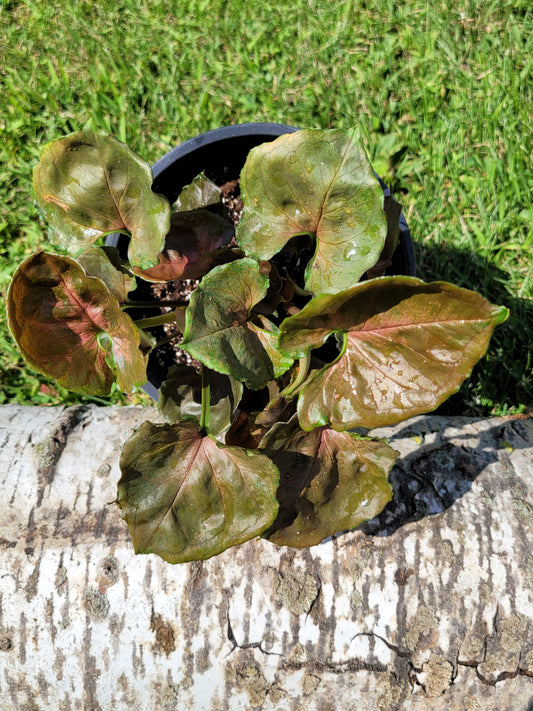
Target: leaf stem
167,339
153,304
126,233
206,399
291,309
299,291
303,369
153,321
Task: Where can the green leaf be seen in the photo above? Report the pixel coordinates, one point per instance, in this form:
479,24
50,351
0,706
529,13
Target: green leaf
89,184
343,481
319,183
407,347
70,327
218,329
187,497
191,246
200,193
180,397
105,263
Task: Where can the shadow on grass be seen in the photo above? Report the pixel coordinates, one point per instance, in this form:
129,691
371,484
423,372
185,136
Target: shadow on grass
502,382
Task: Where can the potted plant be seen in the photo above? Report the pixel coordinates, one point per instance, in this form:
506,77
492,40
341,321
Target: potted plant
295,335
220,155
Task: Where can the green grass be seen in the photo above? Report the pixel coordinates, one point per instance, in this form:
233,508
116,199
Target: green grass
442,92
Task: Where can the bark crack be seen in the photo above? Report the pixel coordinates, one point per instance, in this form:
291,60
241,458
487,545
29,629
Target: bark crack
473,664
246,645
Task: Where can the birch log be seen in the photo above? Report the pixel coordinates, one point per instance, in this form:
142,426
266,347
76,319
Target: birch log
429,607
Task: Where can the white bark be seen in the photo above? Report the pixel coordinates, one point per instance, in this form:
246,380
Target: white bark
437,614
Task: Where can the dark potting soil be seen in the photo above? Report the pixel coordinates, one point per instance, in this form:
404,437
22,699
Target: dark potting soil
231,198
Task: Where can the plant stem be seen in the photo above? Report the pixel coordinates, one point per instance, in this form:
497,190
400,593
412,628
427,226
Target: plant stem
153,321
206,399
303,369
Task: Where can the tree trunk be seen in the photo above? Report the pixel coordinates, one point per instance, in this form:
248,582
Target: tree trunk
427,607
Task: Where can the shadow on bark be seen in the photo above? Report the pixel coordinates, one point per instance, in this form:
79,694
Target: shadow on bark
429,480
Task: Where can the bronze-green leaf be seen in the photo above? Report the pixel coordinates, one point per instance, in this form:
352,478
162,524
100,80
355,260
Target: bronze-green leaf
89,184
180,397
344,481
407,347
319,183
191,246
187,497
70,327
218,329
200,193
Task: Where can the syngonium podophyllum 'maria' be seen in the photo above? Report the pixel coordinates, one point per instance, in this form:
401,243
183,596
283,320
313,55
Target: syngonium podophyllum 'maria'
296,334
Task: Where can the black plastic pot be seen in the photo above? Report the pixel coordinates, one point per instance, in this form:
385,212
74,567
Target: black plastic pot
221,154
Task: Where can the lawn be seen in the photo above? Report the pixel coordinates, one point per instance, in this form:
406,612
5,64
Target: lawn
443,94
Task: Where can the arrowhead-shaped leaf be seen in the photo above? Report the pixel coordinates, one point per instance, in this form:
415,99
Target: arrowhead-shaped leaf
320,183
407,347
218,330
89,184
180,397
344,481
105,263
200,193
190,246
70,327
187,497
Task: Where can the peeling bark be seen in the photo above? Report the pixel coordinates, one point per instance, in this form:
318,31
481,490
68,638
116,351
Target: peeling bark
430,606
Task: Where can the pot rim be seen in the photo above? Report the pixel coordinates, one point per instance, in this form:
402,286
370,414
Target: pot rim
216,135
